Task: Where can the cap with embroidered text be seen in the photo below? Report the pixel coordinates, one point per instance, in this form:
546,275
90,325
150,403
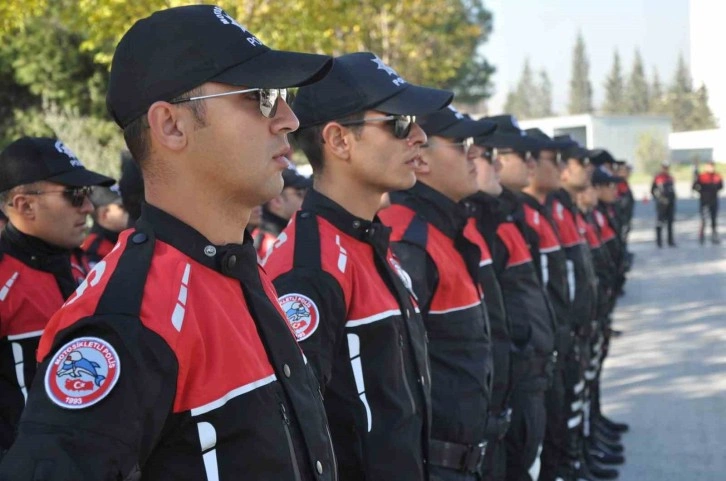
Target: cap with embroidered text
175,50
32,159
452,124
508,135
359,82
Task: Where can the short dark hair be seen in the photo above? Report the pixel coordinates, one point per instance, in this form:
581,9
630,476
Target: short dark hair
136,134
310,140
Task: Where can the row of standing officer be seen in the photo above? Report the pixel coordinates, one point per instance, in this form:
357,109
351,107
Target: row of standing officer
396,326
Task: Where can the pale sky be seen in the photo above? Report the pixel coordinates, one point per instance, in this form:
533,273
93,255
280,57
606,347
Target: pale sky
545,31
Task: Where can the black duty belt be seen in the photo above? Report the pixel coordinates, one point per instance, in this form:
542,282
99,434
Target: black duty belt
466,458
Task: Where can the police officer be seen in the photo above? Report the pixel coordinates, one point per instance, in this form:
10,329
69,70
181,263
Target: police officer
109,218
663,191
708,184
131,187
428,228
44,189
276,213
173,360
626,201
346,297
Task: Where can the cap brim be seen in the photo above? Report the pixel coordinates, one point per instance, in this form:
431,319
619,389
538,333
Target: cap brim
516,142
277,69
415,100
468,128
81,178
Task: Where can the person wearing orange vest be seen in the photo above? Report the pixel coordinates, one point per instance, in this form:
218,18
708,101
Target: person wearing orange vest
708,184
44,190
109,218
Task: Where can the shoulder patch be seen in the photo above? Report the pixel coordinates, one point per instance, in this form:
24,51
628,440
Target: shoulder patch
82,373
302,314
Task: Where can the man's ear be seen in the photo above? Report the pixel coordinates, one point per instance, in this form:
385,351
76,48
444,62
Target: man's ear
337,139
25,205
169,125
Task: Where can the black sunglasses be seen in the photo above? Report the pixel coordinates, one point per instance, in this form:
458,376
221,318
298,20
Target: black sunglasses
402,124
268,99
76,196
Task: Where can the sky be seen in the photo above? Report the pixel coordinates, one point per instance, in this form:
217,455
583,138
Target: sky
545,32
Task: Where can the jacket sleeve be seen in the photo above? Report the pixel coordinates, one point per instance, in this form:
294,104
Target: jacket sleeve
323,321
106,441
422,270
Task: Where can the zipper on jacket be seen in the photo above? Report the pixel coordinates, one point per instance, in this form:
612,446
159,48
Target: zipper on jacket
405,377
286,427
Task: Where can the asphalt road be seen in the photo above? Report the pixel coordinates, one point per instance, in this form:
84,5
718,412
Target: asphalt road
666,376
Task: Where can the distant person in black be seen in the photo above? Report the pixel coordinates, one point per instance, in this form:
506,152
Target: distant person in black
664,193
708,184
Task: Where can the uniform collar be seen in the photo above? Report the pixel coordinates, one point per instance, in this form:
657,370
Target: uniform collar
482,204
356,227
443,213
229,259
27,247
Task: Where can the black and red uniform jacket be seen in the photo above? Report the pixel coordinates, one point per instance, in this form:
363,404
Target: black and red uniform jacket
663,189
35,279
530,316
428,238
346,298
552,265
99,243
625,204
708,184
582,280
172,361
605,269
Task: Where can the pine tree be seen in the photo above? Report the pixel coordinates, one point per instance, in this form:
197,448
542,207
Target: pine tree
637,95
543,99
680,97
614,89
701,116
657,101
580,87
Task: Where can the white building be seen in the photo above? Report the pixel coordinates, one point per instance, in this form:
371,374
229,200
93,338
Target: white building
708,38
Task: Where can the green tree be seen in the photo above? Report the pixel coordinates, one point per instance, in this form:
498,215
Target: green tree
542,102
701,115
680,97
657,98
637,95
580,86
651,152
614,88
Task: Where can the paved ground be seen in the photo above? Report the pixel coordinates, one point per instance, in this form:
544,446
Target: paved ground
666,375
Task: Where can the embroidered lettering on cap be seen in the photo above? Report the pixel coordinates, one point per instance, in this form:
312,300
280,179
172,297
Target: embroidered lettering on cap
457,114
302,314
227,19
82,373
63,149
382,66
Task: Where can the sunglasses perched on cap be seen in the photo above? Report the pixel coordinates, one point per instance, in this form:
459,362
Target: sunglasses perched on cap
76,196
402,124
268,99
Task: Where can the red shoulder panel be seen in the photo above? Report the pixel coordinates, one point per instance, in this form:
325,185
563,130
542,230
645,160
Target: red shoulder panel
516,245
570,235
548,240
472,233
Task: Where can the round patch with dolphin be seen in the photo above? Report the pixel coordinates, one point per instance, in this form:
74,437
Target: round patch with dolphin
82,373
302,314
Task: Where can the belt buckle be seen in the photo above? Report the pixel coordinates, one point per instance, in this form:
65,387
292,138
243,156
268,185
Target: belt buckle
475,457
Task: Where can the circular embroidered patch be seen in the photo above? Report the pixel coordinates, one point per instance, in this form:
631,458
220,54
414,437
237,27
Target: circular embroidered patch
302,314
82,373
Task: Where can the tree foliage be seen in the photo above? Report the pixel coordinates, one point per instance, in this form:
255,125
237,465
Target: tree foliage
614,88
637,94
531,98
580,86
651,151
688,109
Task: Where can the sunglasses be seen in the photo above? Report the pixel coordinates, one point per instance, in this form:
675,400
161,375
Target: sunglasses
524,155
402,124
76,196
461,145
268,99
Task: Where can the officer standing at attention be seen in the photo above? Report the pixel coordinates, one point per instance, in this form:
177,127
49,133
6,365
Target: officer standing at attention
663,191
173,360
109,219
346,297
428,223
708,184
44,190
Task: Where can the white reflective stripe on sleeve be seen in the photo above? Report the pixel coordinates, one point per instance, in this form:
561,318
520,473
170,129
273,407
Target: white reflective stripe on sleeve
574,422
217,403
25,335
536,465
177,317
545,269
374,318
571,279
20,369
579,387
6,288
357,366
454,309
576,406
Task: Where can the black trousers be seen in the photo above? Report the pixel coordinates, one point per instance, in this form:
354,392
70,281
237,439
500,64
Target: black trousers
709,209
495,462
526,433
665,215
554,449
444,474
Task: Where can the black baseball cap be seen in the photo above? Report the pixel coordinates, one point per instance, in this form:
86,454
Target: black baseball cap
452,124
602,177
102,196
359,82
32,159
546,142
571,149
601,156
175,50
293,178
508,135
